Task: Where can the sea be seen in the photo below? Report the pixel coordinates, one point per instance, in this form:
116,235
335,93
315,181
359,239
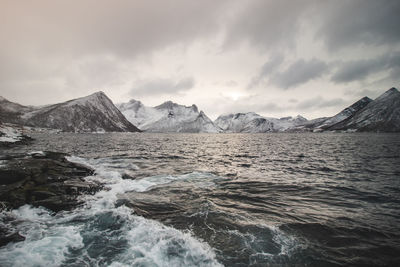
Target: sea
274,199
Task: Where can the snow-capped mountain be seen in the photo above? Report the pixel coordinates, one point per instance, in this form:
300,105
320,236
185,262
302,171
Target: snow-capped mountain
93,113
320,124
346,113
251,122
168,117
97,113
381,114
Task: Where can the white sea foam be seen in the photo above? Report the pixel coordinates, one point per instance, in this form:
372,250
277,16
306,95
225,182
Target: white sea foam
46,242
73,237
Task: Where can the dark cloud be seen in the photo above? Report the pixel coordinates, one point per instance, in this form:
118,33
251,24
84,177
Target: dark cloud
300,72
267,24
359,70
162,87
269,67
339,24
65,49
368,22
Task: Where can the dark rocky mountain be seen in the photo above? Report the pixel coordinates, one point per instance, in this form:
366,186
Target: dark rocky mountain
11,112
321,124
93,113
380,115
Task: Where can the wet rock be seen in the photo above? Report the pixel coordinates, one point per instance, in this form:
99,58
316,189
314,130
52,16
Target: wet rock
44,179
6,238
24,140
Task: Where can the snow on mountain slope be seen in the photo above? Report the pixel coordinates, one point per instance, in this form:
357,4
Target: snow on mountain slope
285,123
167,117
251,122
320,124
93,113
382,114
346,113
11,112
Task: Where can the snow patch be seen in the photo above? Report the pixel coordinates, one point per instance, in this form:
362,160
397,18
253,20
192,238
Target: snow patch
10,134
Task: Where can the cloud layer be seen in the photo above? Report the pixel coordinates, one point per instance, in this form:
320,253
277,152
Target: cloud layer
270,55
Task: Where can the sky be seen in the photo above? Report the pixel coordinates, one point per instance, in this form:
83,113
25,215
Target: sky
276,58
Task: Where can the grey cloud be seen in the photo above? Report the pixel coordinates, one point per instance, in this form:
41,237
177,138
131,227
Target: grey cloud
300,72
360,69
123,28
162,86
369,22
276,24
269,67
267,24
47,41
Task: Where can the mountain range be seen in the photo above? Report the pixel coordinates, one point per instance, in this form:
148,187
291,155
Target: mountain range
93,113
97,113
168,117
251,122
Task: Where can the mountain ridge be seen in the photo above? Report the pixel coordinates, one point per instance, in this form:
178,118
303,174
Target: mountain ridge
381,114
92,113
167,117
97,113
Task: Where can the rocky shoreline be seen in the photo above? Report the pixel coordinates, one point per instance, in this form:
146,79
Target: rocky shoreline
45,179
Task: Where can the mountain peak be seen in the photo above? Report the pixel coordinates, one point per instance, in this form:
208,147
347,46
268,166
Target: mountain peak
2,99
133,101
194,107
99,94
389,93
166,105
92,113
300,118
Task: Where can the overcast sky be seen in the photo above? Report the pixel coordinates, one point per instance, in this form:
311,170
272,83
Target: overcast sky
276,58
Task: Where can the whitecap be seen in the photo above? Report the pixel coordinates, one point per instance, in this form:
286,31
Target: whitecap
122,238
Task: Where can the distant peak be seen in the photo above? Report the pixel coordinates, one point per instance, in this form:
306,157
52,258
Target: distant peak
134,101
389,93
166,105
299,117
392,90
2,98
98,93
194,107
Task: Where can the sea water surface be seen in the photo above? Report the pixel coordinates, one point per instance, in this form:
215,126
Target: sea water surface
326,199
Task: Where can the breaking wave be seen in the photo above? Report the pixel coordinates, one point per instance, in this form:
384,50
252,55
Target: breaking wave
101,234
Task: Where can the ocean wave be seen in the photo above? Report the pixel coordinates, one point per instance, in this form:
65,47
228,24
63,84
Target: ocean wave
101,234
